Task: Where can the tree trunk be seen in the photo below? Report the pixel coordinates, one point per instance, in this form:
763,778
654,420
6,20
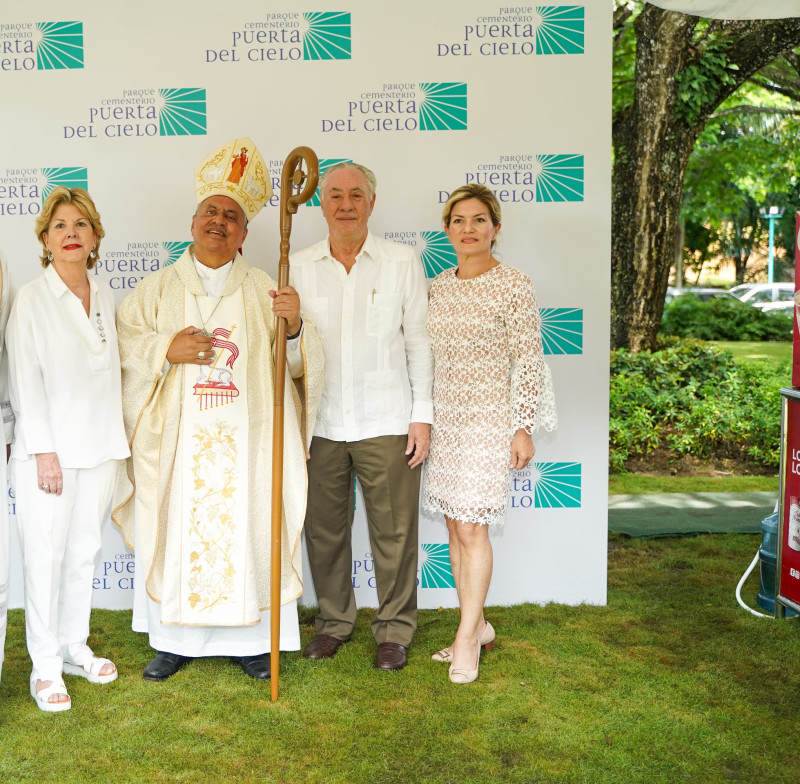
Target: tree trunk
651,151
652,145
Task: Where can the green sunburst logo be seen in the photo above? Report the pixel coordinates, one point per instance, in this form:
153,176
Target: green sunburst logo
69,177
559,29
183,112
562,330
435,571
438,254
443,106
557,485
327,36
174,251
559,178
59,46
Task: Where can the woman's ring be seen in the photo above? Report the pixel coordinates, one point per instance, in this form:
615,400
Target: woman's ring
201,354
45,487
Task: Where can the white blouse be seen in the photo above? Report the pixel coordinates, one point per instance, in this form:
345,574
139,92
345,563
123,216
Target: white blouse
65,374
378,361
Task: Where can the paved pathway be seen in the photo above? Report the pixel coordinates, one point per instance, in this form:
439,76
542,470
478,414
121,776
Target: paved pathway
684,513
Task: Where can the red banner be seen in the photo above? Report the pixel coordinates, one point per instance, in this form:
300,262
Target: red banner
789,584
796,335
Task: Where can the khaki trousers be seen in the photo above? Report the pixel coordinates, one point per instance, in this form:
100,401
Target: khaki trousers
391,497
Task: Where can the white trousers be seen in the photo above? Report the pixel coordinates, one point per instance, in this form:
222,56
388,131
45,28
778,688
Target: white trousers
60,538
4,546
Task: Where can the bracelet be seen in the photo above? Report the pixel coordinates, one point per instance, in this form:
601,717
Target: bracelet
296,334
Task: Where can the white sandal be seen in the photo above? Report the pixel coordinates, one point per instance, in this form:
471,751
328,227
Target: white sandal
42,697
91,671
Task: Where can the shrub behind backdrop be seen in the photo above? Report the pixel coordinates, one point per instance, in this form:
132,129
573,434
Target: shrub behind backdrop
690,398
723,318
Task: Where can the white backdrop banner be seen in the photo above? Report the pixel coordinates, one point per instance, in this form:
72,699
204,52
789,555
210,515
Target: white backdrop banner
121,100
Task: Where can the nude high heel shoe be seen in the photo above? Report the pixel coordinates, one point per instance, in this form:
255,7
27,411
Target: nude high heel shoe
467,676
486,639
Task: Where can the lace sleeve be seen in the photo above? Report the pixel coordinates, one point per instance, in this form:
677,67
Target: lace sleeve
533,402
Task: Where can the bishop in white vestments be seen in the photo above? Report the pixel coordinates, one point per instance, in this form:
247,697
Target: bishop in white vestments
196,343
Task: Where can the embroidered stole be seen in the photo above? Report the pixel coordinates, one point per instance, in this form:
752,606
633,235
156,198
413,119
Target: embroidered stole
208,535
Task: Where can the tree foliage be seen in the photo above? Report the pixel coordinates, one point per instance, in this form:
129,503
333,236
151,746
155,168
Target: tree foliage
673,73
746,157
698,82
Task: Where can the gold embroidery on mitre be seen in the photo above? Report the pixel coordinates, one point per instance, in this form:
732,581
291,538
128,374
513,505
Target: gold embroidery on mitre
236,170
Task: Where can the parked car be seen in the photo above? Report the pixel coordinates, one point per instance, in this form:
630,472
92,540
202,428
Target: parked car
704,293
782,306
761,294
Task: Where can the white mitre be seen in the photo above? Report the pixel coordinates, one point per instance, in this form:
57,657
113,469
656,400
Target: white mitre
236,170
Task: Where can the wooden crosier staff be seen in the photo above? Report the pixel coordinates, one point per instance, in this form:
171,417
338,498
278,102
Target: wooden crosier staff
292,177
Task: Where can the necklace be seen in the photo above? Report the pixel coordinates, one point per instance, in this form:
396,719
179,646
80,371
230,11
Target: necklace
211,279
205,321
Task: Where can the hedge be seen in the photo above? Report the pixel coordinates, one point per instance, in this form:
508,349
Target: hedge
691,398
723,318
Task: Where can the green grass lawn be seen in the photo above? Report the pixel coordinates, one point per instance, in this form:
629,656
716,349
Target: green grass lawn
671,682
621,484
755,351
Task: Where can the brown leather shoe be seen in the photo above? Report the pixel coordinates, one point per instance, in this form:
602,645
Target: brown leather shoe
391,656
323,646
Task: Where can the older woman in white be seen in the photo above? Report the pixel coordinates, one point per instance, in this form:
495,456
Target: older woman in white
68,439
8,432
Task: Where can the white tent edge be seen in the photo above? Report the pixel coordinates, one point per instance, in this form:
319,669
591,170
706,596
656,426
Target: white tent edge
733,9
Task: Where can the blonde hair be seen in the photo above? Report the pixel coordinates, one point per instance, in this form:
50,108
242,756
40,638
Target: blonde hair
83,201
473,191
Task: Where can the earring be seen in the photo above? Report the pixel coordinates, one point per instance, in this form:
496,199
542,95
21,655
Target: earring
49,256
92,254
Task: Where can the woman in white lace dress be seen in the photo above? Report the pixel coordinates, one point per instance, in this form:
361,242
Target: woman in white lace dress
492,389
